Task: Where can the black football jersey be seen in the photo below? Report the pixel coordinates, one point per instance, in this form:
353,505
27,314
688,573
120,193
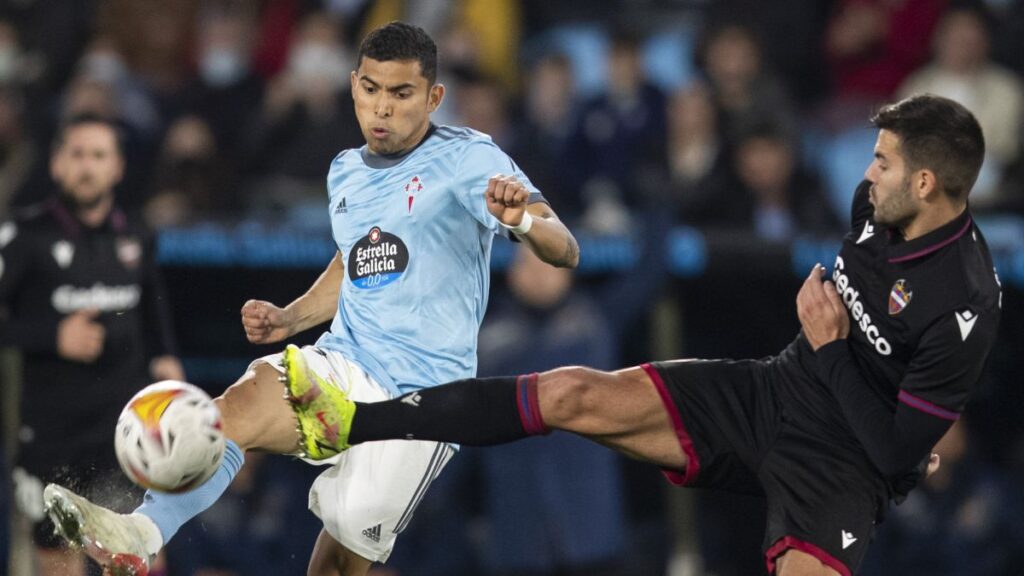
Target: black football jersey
923,316
52,266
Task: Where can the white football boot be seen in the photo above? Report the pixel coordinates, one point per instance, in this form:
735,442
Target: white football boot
115,541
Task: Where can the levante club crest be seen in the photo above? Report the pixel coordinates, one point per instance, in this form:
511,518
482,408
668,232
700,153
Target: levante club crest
899,297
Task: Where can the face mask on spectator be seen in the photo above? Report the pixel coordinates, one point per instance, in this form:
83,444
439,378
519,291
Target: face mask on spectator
221,67
105,67
8,62
319,62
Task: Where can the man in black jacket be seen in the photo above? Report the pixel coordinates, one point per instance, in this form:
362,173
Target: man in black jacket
83,301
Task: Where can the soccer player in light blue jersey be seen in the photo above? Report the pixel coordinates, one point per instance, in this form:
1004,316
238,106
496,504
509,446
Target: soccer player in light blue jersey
413,214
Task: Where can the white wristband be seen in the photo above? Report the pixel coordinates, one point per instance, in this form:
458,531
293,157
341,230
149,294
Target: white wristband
523,227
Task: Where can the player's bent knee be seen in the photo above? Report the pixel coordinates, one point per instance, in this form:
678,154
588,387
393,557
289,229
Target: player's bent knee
253,408
569,396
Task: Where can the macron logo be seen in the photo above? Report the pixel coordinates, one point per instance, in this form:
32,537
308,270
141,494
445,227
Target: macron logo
868,232
848,539
966,320
412,399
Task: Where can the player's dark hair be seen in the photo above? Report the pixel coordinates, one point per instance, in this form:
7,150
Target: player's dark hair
401,41
89,118
938,134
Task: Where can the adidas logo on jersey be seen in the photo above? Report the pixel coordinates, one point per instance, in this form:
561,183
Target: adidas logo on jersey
342,207
373,533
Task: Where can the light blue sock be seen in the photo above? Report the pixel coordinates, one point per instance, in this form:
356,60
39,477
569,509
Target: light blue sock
170,511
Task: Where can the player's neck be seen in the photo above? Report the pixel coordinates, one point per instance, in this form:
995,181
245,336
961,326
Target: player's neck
932,218
95,215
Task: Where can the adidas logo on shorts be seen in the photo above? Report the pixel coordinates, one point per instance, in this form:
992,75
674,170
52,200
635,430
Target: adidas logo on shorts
373,533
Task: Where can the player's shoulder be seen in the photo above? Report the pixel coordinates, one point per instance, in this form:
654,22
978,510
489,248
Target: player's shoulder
28,224
861,209
961,278
981,282
461,134
461,140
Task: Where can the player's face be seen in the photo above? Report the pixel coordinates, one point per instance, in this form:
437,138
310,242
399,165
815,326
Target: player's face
895,204
88,164
393,103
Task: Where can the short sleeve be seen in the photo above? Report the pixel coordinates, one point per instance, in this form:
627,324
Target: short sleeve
481,160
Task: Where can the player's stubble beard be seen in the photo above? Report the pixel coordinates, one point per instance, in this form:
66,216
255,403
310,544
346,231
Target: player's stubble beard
897,209
71,195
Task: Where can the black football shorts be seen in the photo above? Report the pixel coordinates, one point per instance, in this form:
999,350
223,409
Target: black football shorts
822,493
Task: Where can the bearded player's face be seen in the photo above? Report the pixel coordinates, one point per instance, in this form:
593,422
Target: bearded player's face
393,103
889,175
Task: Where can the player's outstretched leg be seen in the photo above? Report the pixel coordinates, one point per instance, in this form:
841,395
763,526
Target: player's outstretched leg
253,416
622,410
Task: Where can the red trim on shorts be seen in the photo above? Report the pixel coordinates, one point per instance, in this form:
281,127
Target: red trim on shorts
788,543
693,461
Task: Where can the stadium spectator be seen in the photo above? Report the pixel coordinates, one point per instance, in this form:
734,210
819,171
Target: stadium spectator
84,304
305,120
192,179
616,131
698,156
226,92
871,47
790,34
19,156
744,88
543,125
962,70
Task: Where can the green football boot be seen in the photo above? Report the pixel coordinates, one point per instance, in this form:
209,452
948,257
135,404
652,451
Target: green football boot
324,411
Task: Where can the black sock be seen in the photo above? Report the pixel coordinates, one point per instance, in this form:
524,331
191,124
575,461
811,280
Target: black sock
473,412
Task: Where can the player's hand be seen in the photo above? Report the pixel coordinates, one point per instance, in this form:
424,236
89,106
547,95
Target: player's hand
265,323
80,337
821,311
506,199
166,368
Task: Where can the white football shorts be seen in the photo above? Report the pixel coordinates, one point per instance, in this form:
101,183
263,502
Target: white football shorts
369,493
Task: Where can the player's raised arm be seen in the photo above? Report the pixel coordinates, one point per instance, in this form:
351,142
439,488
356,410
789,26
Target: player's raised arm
535,224
265,323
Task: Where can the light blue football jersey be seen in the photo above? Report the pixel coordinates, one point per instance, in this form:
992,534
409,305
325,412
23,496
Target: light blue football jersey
415,237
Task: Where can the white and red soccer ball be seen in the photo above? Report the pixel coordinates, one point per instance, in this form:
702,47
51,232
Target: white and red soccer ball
169,437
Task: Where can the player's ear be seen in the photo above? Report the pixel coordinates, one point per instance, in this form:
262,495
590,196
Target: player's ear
435,97
354,79
924,184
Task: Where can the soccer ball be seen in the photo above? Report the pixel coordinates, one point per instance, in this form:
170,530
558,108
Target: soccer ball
169,438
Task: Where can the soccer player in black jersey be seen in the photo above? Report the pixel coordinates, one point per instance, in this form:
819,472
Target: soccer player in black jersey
831,429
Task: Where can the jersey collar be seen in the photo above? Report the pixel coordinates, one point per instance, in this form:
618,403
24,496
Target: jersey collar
388,160
930,242
116,219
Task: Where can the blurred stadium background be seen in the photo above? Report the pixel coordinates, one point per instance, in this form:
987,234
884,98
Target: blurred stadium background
704,152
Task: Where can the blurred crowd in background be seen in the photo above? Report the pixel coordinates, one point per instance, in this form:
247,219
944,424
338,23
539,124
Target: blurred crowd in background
742,116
